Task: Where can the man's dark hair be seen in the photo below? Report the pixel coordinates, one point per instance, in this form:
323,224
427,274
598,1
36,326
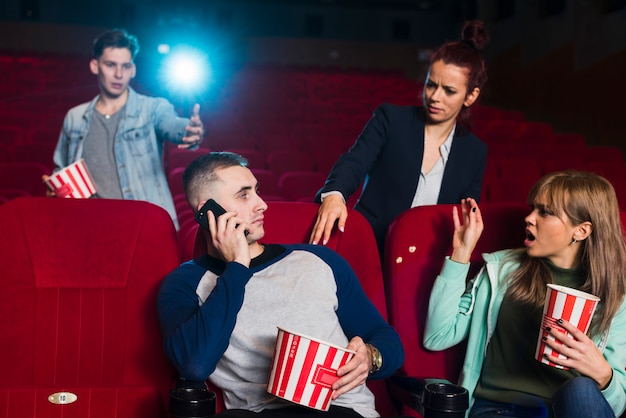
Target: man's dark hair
202,170
115,38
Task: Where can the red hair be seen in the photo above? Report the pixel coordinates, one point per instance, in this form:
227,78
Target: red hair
466,54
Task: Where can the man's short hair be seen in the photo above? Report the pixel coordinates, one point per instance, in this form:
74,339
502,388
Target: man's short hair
115,38
199,175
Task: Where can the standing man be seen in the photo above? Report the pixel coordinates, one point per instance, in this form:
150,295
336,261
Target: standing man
120,133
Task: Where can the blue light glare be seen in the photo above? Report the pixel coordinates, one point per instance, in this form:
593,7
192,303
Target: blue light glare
186,70
163,49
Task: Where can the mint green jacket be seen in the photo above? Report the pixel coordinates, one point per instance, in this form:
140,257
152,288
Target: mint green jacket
458,311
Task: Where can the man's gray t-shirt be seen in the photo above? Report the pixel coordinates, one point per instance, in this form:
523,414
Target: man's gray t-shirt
99,154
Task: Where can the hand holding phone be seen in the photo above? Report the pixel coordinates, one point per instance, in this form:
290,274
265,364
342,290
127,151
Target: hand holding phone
202,216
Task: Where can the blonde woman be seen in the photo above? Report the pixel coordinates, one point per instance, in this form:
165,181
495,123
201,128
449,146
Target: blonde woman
573,238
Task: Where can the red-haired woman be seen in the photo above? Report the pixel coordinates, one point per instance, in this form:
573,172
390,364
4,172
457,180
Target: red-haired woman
414,155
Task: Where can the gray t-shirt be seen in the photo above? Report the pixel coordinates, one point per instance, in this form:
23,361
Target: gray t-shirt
99,154
301,279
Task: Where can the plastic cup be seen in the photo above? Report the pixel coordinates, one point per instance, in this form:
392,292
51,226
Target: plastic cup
73,181
304,369
191,403
564,303
444,400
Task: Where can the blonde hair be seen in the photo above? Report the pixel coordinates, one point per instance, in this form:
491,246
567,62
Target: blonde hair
581,197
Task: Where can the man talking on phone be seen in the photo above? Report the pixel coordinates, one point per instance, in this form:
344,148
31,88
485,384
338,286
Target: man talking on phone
219,312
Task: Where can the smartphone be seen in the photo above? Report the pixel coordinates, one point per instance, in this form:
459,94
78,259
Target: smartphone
211,205
202,215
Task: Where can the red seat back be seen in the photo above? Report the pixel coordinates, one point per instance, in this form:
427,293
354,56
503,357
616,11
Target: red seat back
282,160
78,302
26,176
300,186
417,242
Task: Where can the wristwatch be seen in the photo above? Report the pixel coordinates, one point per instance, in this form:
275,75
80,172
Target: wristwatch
376,359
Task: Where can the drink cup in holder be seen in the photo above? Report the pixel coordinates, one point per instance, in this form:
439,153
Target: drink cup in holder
444,400
191,400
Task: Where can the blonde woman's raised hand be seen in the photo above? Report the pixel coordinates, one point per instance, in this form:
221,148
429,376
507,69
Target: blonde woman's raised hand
467,230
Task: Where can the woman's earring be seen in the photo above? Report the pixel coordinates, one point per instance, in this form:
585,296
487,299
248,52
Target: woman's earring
574,241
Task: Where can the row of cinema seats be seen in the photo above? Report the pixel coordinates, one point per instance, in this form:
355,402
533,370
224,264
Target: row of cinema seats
520,151
294,175
311,115
78,300
507,179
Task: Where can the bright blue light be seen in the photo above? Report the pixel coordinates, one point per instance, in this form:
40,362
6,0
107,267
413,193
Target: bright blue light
163,49
186,69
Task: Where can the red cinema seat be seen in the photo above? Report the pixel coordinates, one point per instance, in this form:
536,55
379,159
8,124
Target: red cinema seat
515,115
514,168
256,159
175,181
300,186
9,194
535,133
570,140
560,162
78,302
45,135
416,244
501,131
280,161
511,190
268,184
35,153
180,158
26,176
275,138
304,132
604,155
11,134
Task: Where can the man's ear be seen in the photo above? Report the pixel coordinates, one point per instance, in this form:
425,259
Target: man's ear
93,66
471,97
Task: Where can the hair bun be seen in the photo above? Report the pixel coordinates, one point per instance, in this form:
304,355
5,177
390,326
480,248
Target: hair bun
475,34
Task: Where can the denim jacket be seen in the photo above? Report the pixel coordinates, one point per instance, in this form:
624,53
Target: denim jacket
138,145
457,312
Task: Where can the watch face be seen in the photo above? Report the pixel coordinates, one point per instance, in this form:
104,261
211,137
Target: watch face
376,360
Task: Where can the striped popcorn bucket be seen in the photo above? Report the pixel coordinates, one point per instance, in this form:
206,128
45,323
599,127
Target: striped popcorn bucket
564,303
73,181
304,369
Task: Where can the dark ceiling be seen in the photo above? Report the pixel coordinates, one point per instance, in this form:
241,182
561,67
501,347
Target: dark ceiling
423,5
